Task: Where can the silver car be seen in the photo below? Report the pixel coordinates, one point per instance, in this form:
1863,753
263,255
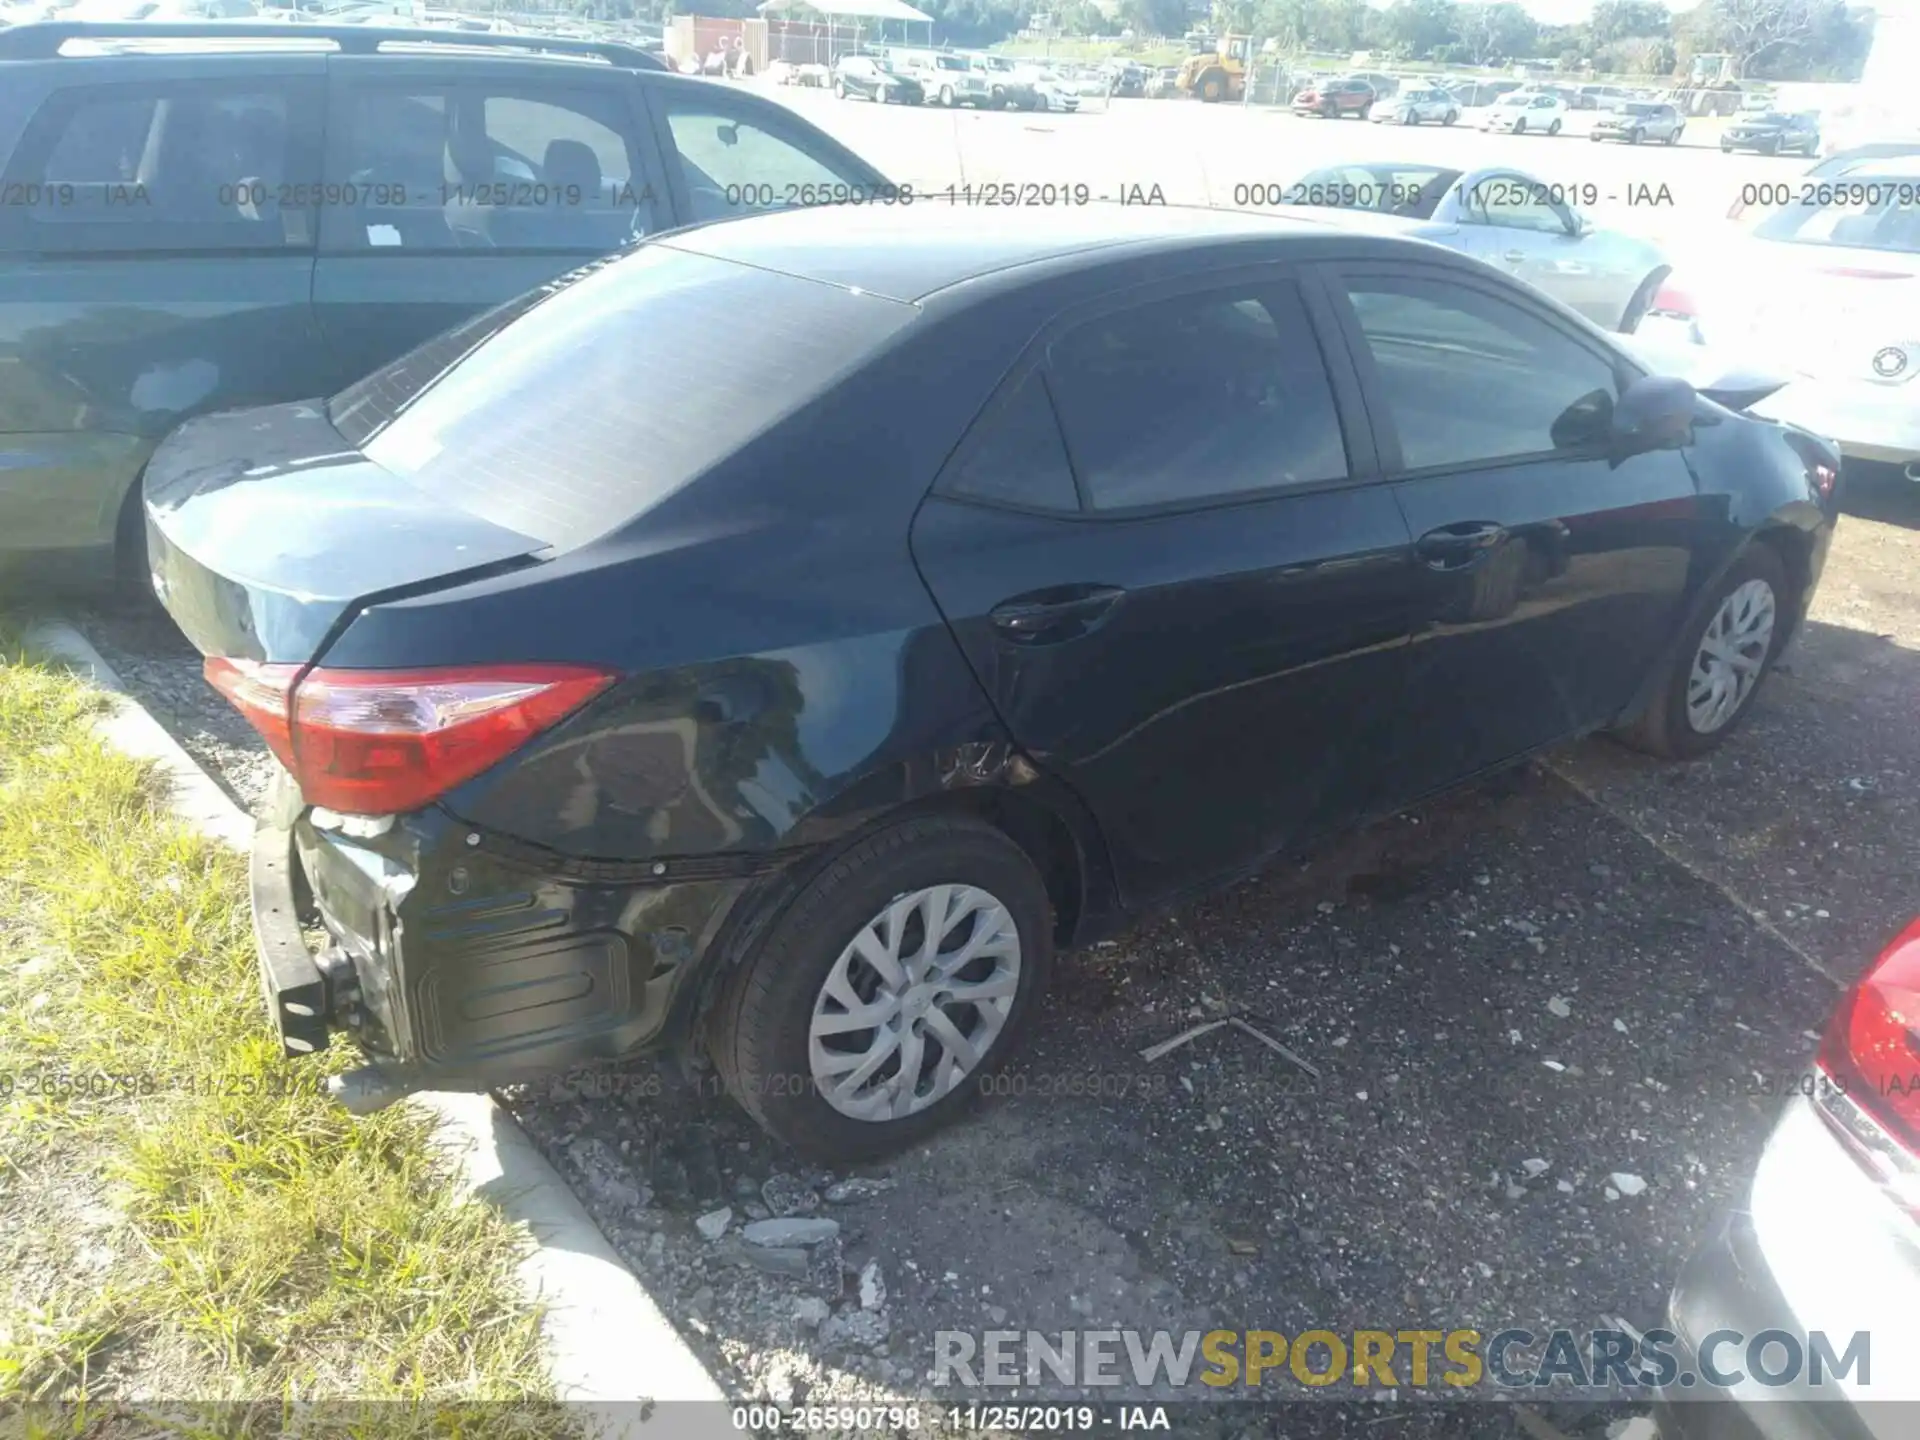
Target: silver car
1510,219
1413,107
1638,120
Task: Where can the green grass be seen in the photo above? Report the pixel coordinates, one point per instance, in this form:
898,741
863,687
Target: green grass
186,1214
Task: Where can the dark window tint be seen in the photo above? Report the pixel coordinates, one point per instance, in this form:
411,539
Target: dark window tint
565,415
1470,378
166,168
426,168
1016,455
1197,397
736,163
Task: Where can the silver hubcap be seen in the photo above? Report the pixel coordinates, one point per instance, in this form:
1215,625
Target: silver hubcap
1732,653
915,1002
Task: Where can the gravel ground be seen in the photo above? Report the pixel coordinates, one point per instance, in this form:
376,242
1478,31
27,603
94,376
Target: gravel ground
1599,967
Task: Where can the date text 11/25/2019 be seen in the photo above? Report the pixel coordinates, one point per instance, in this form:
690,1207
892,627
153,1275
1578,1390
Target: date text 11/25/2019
774,1420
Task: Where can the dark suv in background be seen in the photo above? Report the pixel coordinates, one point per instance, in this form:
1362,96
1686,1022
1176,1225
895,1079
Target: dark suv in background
1334,98
193,226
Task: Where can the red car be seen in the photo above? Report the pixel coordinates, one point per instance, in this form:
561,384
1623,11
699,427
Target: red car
1335,98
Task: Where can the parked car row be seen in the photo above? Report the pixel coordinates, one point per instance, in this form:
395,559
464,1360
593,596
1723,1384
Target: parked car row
990,682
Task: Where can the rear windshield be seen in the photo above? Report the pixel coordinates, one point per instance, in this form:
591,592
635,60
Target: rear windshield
1863,211
571,410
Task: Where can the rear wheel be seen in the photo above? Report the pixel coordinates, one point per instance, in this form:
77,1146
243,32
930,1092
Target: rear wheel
1213,88
1554,128
874,1009
1635,136
1641,302
1520,126
1451,116
1673,136
840,89
132,581
1726,652
1364,111
946,96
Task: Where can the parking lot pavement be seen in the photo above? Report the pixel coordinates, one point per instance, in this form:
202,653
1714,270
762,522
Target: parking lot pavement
1198,154
1811,820
1514,998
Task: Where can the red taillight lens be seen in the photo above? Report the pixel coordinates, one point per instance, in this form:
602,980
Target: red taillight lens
1872,1045
1675,300
377,742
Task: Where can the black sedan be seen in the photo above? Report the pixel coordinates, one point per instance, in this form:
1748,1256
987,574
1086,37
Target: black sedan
636,685
1773,133
867,77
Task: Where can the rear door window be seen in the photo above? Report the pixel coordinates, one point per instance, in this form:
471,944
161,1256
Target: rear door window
167,167
424,167
1197,398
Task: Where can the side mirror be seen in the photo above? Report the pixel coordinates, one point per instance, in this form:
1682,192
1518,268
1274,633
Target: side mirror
1655,413
729,134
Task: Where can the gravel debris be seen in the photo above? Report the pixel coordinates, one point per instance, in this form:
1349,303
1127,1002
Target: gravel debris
791,1230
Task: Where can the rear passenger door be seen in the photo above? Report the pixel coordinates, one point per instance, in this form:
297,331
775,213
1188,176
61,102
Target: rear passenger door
1169,558
156,258
453,185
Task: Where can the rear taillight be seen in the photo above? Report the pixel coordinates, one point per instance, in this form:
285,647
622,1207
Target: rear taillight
1676,301
1872,1046
377,742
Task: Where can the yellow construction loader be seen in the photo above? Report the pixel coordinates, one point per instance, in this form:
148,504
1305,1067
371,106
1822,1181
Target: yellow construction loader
1221,75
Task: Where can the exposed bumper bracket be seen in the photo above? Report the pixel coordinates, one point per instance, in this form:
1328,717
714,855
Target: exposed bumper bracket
290,981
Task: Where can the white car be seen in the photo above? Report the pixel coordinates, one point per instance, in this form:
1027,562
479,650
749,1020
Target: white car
1055,92
1415,106
948,80
1827,293
1526,112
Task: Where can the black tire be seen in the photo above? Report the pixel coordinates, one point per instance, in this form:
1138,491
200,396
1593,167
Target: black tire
1640,302
1636,135
1664,729
758,1030
1673,135
1365,110
1452,115
1554,128
132,582
1520,126
1213,88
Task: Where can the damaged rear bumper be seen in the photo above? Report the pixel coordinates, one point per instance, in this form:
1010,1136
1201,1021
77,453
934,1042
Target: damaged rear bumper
456,960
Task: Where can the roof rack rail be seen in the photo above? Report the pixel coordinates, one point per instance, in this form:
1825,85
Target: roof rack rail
42,40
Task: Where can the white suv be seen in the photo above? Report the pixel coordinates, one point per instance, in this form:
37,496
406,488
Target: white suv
948,79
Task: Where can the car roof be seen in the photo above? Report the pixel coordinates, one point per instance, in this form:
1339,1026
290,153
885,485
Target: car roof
911,252
77,38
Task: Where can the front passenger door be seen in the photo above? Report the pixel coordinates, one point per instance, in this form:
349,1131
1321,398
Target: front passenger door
1550,574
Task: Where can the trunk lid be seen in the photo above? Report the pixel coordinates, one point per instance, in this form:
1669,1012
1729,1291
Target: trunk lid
266,530
1829,312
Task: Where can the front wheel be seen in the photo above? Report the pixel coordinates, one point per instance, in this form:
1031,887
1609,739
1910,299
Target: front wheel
1726,651
1520,126
1674,137
1212,89
1364,111
1451,116
1634,137
839,89
1554,128
876,1008
946,96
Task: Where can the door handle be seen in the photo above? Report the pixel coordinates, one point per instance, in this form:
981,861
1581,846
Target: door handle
1061,612
1461,546
1514,257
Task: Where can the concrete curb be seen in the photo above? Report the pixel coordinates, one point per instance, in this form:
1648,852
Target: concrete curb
609,1346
